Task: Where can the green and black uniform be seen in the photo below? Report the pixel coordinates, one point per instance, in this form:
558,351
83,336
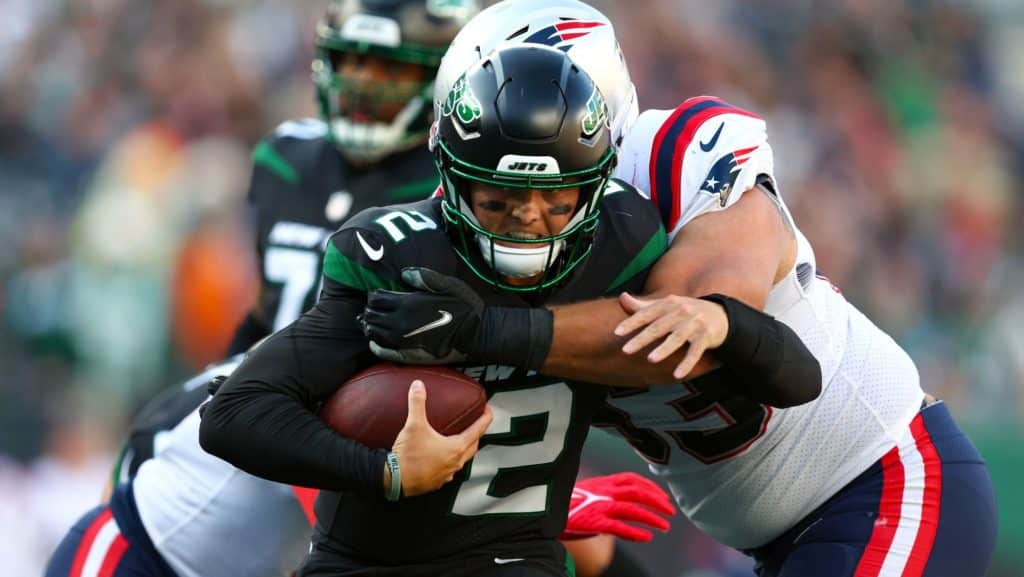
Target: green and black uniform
302,190
509,502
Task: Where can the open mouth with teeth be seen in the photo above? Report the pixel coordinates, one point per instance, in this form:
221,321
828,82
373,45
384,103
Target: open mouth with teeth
520,235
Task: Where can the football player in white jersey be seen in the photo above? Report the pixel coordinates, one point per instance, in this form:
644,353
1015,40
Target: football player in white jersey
870,478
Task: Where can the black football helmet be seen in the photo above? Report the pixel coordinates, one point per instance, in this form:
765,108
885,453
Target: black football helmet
524,116
413,31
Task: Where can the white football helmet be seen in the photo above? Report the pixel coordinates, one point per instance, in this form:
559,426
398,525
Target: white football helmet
580,30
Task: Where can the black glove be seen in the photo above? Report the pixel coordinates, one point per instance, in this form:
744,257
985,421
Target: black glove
448,322
436,326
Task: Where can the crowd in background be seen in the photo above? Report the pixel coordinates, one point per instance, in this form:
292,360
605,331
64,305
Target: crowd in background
125,129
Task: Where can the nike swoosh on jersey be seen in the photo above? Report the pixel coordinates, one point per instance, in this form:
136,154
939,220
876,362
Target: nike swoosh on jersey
373,253
500,561
446,317
706,147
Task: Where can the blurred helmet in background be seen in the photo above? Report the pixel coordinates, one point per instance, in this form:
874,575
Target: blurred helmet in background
374,69
579,30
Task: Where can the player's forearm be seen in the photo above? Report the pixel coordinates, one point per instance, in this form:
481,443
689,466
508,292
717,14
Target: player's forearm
270,435
585,347
262,421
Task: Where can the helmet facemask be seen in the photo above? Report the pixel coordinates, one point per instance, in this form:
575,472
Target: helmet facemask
356,109
553,257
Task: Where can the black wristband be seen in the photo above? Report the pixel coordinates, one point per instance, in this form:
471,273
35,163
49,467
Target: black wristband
753,342
518,337
770,363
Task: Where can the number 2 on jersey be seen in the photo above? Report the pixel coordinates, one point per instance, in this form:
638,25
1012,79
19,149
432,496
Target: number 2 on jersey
477,495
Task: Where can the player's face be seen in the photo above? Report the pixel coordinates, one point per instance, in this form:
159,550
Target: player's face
521,212
374,88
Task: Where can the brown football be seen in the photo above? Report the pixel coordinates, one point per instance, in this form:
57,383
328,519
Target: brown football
371,407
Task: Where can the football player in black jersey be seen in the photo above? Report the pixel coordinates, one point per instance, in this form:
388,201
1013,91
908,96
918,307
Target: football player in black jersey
528,215
374,70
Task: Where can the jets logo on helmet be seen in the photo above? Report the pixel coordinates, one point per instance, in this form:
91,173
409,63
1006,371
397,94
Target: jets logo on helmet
462,102
723,173
597,114
562,32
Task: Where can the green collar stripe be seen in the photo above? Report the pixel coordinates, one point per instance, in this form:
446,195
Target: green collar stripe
264,155
570,564
414,190
344,270
115,475
645,258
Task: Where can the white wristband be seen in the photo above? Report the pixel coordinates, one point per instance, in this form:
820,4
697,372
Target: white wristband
396,478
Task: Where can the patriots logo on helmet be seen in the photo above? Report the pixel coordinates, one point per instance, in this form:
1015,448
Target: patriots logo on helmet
723,173
563,32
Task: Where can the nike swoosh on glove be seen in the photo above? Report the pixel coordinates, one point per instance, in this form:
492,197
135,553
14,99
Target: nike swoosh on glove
623,505
436,325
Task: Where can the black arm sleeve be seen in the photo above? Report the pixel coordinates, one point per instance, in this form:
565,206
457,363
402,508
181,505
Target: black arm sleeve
262,419
248,333
775,367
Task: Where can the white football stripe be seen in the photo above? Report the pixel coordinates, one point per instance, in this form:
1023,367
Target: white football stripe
100,548
910,513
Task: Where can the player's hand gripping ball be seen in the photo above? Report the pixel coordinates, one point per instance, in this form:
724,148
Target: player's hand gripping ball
373,405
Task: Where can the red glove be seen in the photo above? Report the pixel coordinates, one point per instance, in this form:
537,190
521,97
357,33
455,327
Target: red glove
606,505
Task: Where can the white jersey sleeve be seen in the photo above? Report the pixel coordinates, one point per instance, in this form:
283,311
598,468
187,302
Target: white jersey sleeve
745,473
206,517
698,158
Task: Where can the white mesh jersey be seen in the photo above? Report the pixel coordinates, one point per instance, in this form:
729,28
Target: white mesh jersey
745,473
207,517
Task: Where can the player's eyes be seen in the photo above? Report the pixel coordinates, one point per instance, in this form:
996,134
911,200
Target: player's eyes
493,205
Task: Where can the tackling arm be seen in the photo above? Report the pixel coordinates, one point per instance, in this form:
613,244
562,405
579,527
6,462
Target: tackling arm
739,252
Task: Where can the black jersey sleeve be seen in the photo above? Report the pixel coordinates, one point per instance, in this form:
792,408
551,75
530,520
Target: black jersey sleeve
263,419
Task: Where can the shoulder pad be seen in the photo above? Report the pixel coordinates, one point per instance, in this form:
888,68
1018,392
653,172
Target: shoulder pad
696,158
301,129
285,151
631,221
371,249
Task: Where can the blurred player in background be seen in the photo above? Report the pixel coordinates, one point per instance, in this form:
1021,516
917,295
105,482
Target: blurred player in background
873,477
374,69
